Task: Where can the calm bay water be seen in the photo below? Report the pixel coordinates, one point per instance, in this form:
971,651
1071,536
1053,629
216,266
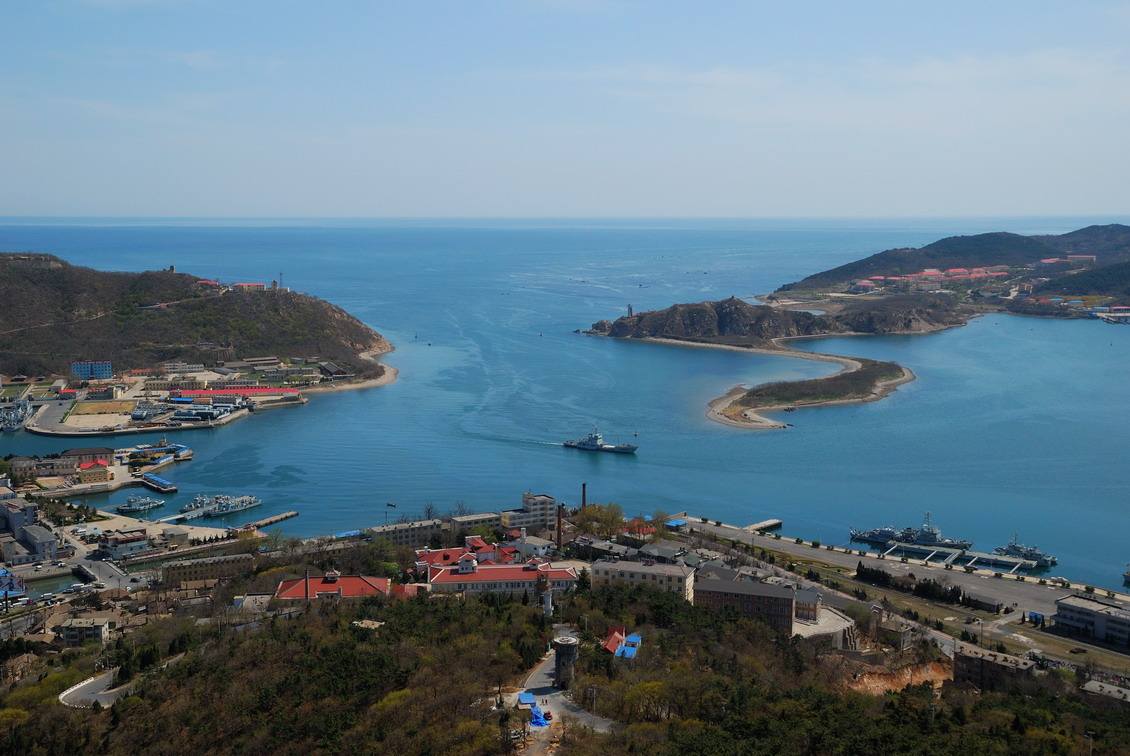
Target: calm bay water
1015,424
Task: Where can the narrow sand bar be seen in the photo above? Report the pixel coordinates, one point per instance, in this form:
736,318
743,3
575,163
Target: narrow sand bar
722,409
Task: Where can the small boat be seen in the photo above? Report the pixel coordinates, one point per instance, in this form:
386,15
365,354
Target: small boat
1126,575
139,504
594,441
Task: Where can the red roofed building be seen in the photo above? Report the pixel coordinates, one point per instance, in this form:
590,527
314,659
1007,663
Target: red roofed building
485,553
957,271
250,286
94,471
332,585
615,639
207,282
468,576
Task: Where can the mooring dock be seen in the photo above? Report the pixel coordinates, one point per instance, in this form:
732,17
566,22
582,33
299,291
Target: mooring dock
964,557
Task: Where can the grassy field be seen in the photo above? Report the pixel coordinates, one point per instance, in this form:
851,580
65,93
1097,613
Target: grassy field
104,408
10,392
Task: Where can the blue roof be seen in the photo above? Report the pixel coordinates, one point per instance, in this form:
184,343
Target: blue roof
678,522
348,534
525,697
630,646
157,480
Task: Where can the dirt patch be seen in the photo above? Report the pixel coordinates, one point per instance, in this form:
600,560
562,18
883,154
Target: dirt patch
103,408
878,683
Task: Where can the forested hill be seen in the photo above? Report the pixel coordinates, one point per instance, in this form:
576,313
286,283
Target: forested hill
54,312
1109,280
736,322
1110,243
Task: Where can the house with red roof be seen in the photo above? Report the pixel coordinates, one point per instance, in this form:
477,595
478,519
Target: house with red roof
485,553
94,471
614,639
467,576
332,585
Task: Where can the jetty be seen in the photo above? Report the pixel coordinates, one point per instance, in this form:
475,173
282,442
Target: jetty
965,557
158,483
764,525
272,520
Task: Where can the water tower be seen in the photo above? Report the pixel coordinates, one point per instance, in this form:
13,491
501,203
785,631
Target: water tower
565,657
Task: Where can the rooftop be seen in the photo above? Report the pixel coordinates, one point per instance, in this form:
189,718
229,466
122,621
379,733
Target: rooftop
677,570
995,657
343,586
1099,606
486,573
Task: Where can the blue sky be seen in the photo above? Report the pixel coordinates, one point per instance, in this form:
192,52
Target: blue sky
564,108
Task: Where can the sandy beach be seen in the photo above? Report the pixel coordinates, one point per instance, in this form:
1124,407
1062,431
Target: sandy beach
719,410
389,375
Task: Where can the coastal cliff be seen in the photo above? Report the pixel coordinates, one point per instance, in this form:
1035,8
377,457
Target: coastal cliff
55,312
729,321
736,322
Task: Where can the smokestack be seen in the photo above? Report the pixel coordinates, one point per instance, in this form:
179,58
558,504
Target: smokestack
584,494
306,584
560,507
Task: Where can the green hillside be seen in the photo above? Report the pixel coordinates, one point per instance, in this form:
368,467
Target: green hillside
55,312
1110,243
1109,280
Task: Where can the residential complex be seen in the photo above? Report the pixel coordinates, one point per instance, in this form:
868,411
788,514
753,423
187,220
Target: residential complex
673,578
469,577
175,573
720,588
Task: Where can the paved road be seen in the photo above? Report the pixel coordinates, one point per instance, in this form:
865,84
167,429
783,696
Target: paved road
96,688
550,698
1027,596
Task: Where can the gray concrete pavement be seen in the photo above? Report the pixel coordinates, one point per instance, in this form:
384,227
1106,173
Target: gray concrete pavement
1027,596
540,682
97,688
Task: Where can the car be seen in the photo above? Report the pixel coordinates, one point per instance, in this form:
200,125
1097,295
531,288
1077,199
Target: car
38,567
135,579
1078,650
548,716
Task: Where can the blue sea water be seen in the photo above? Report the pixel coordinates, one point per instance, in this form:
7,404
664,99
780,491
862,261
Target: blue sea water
1014,424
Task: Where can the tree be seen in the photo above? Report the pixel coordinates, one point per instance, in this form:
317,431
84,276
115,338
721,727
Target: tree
604,520
584,580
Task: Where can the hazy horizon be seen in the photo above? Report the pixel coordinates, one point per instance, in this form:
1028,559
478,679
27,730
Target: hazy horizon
578,109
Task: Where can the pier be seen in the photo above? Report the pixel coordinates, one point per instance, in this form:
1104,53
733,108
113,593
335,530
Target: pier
158,484
764,525
951,556
272,520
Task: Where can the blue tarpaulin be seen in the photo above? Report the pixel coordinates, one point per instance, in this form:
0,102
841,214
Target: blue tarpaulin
629,647
537,719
